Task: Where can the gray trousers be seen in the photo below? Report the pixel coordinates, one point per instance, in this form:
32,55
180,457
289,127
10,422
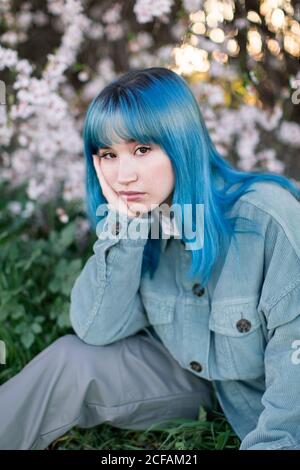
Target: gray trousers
131,384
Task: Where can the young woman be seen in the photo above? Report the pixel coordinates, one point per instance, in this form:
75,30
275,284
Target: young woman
165,324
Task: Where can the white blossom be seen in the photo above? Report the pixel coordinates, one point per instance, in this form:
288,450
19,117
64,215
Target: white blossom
142,40
113,14
95,31
8,58
5,6
146,10
10,37
41,131
192,5
114,31
289,133
24,19
14,207
83,76
40,18
29,209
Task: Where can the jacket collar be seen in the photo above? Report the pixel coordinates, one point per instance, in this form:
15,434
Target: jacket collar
167,229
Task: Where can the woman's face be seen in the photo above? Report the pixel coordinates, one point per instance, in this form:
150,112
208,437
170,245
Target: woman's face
131,166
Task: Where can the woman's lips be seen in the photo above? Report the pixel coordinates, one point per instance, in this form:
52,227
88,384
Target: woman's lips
133,197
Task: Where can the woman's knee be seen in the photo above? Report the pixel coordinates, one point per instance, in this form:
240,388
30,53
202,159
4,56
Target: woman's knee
88,360
64,349
93,371
72,351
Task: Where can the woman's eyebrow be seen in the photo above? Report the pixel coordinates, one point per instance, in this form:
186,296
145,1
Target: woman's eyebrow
128,141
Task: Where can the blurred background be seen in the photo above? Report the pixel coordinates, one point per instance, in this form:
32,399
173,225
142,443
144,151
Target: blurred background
241,59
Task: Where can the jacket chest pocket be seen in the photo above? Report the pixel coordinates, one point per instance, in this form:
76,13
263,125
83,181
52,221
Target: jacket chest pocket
161,316
237,342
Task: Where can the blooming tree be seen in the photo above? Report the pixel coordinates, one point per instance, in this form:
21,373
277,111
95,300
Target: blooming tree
242,63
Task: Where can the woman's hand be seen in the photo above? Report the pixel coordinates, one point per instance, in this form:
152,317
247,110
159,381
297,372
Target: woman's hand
111,196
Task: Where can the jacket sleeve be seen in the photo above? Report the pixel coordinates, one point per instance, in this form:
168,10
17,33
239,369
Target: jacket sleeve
105,301
278,426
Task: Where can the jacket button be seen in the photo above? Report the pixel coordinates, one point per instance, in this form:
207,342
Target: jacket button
196,366
116,228
243,325
198,290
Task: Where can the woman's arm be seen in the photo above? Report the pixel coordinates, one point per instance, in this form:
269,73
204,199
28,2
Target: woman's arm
278,426
105,302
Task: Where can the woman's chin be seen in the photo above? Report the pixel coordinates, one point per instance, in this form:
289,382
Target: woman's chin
136,205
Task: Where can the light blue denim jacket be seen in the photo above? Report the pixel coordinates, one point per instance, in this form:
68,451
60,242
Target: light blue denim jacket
242,332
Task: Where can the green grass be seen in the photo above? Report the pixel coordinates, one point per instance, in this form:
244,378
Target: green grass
40,258
180,434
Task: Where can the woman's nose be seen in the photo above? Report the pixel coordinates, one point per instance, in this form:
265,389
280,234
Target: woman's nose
126,174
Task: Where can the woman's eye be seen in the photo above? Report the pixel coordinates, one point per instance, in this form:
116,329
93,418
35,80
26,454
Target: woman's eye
144,148
105,155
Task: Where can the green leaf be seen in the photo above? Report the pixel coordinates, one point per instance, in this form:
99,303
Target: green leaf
21,328
39,319
63,320
202,416
19,312
12,310
36,254
65,239
77,67
27,339
36,328
179,445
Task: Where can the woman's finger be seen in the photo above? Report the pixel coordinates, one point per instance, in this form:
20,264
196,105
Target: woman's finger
111,196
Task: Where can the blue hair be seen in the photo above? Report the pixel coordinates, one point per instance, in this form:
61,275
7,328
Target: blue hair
156,105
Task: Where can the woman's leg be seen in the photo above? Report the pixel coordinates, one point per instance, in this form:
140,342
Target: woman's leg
131,384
